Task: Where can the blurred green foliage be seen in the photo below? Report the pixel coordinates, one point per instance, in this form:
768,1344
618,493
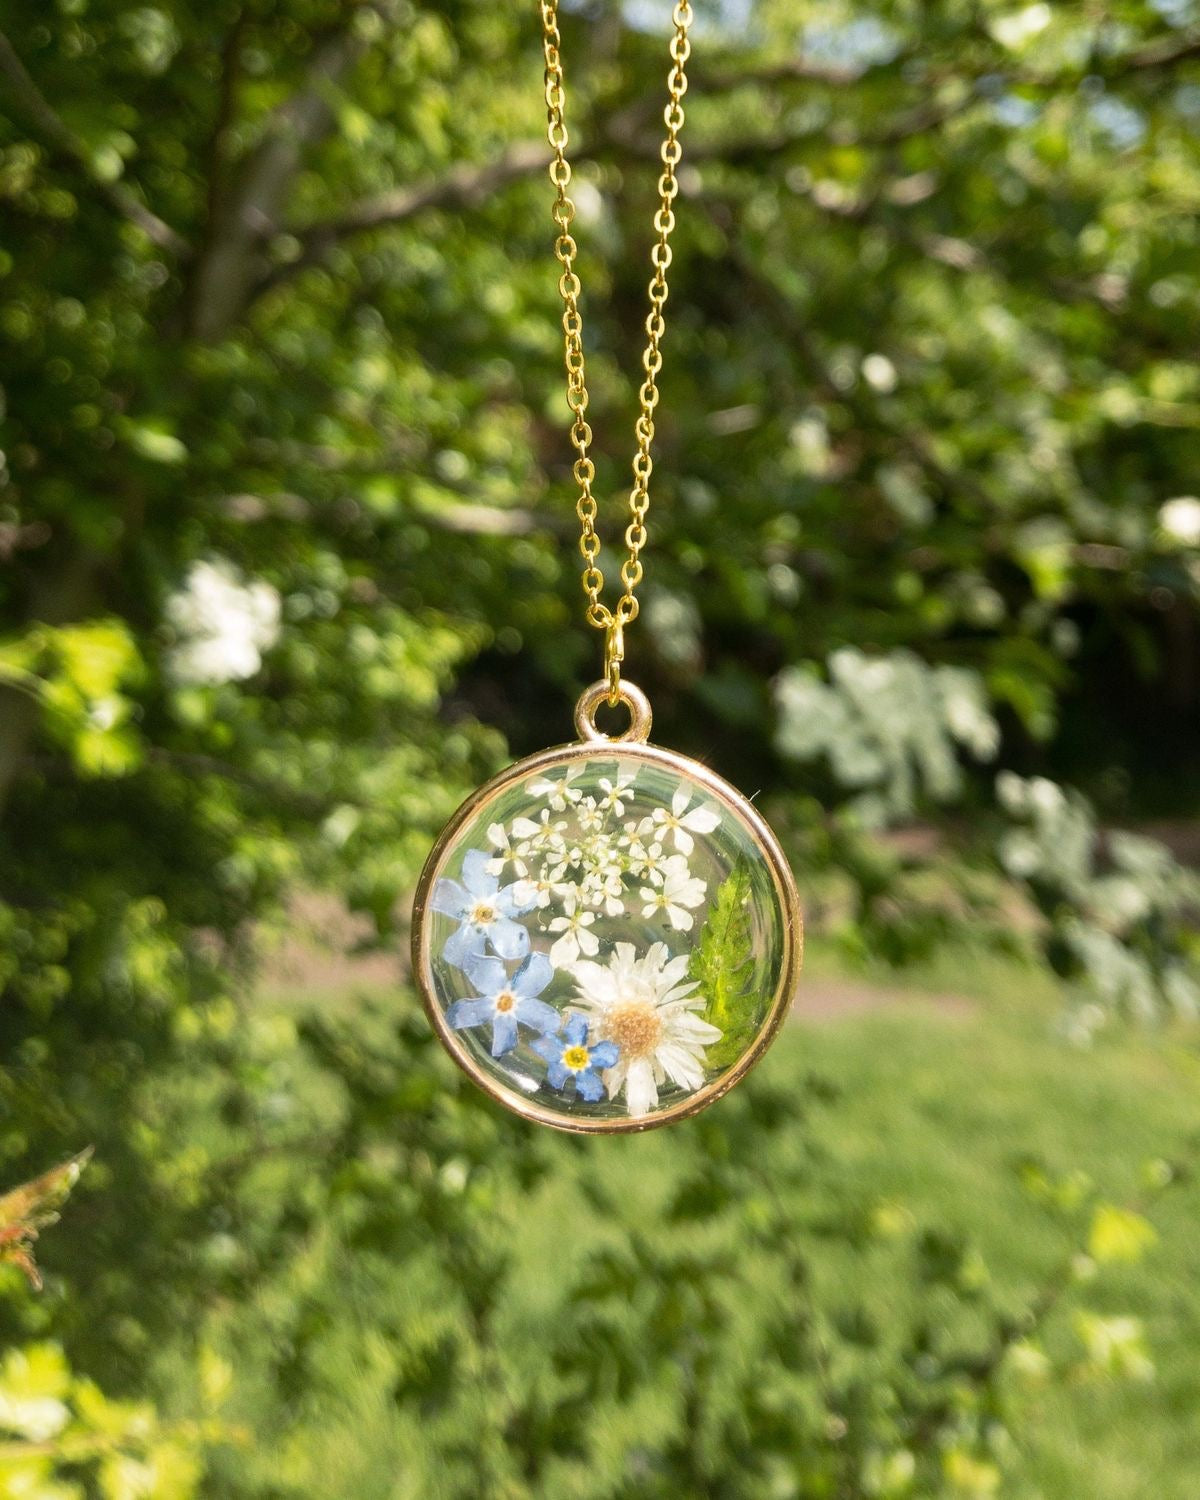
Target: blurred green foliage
291,561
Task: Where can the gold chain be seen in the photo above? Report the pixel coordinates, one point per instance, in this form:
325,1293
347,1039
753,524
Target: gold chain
613,621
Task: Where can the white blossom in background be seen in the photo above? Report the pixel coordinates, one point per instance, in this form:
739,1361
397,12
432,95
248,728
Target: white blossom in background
223,624
37,1418
890,726
1180,520
1015,29
965,708
880,373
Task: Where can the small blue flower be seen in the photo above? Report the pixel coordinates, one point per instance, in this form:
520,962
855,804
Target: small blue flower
484,911
569,1056
504,1001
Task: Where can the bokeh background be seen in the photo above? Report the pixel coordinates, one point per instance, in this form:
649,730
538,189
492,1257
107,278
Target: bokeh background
289,566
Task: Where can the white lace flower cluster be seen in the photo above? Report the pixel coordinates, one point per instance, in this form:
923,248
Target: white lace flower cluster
581,859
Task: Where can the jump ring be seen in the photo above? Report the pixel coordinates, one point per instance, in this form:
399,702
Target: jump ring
640,716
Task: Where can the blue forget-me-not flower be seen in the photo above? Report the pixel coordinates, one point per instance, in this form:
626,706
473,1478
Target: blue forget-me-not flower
484,911
506,1002
570,1056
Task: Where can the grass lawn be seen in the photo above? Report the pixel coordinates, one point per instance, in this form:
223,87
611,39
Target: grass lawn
939,1101
945,1083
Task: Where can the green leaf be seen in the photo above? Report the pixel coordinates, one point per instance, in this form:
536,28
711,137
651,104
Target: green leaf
722,965
1119,1234
152,441
1114,1346
968,1477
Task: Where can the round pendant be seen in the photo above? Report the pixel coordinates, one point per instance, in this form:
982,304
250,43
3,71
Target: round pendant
606,935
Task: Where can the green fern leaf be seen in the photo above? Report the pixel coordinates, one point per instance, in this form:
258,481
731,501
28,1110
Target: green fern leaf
723,964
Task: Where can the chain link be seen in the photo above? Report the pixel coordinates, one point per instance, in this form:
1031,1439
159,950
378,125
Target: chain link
613,621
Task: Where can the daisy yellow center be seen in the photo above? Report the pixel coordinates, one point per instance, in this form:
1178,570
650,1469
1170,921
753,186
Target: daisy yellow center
482,912
635,1027
575,1058
505,1001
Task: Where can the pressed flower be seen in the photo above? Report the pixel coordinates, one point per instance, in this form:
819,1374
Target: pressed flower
603,888
484,911
574,925
533,892
591,817
646,859
558,791
615,792
564,858
647,1007
506,1002
573,1056
681,822
680,890
538,835
506,853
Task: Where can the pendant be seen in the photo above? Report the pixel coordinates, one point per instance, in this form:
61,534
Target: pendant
606,935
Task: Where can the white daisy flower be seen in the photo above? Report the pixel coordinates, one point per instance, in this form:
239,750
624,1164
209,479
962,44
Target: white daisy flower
647,1007
680,889
574,925
682,823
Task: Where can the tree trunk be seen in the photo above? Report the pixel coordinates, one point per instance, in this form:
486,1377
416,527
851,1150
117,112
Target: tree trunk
54,600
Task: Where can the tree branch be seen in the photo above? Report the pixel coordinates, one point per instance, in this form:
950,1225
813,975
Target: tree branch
1162,53
719,77
214,155
911,443
620,138
464,185
33,105
469,184
226,274
468,518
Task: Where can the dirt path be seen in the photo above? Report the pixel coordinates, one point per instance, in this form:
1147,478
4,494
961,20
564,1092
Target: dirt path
822,1000
318,957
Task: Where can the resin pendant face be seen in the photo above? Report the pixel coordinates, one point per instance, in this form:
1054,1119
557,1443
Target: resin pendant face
606,935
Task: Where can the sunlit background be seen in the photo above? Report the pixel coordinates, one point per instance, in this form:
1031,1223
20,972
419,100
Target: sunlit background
290,566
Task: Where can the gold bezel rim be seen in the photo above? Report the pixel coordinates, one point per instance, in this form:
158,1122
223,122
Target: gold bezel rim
785,885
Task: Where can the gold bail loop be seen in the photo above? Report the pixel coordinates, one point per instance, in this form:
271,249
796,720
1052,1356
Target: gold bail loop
614,655
640,717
